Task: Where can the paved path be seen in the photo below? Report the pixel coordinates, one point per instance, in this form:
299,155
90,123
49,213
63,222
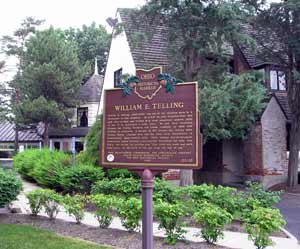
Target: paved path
231,239
290,209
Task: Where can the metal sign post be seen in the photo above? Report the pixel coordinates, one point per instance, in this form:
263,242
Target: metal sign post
147,218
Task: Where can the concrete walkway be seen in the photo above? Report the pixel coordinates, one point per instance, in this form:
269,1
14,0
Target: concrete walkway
231,239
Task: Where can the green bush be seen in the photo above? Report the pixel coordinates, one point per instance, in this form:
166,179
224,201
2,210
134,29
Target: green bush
130,212
74,205
213,219
266,199
52,203
119,186
24,162
120,173
79,178
104,209
169,216
10,187
42,166
36,200
91,154
260,223
164,190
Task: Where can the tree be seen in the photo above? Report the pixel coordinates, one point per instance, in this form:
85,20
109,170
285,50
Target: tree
92,41
278,32
229,107
201,33
51,77
15,46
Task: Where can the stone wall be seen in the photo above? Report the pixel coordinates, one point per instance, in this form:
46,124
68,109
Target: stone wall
274,138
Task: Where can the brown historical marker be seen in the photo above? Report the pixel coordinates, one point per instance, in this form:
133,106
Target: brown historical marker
151,126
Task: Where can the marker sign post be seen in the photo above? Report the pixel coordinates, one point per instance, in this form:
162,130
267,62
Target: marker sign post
149,126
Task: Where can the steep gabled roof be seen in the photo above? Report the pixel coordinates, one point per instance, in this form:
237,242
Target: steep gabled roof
91,90
148,42
283,102
261,54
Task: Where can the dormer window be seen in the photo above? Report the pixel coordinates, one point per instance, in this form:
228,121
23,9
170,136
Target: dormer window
82,117
277,80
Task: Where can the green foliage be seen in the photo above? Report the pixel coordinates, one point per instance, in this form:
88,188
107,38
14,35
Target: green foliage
50,80
91,41
265,198
52,203
120,186
164,190
74,205
260,223
120,173
36,200
10,187
79,178
169,216
212,218
42,166
91,154
229,107
104,208
130,211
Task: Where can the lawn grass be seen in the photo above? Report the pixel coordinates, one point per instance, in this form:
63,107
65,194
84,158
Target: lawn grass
27,237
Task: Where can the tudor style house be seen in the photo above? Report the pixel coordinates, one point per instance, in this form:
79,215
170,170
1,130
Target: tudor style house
263,155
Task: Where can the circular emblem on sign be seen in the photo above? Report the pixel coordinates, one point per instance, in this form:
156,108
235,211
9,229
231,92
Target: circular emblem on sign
110,157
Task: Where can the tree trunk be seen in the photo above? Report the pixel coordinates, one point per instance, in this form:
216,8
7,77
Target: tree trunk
293,156
186,175
46,135
294,103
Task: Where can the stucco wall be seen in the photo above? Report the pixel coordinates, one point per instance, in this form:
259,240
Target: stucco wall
274,139
119,57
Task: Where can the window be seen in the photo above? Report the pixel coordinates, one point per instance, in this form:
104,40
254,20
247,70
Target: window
57,145
82,117
277,80
117,77
78,146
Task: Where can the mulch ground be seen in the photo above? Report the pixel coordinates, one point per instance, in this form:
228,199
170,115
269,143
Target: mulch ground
112,237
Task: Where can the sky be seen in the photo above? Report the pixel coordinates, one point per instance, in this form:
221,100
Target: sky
58,13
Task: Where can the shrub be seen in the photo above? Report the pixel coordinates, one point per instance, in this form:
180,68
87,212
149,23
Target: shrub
23,162
164,190
79,178
120,173
36,200
74,205
10,187
52,202
42,166
91,154
213,219
265,198
169,216
104,209
126,187
130,211
49,166
260,223
226,197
